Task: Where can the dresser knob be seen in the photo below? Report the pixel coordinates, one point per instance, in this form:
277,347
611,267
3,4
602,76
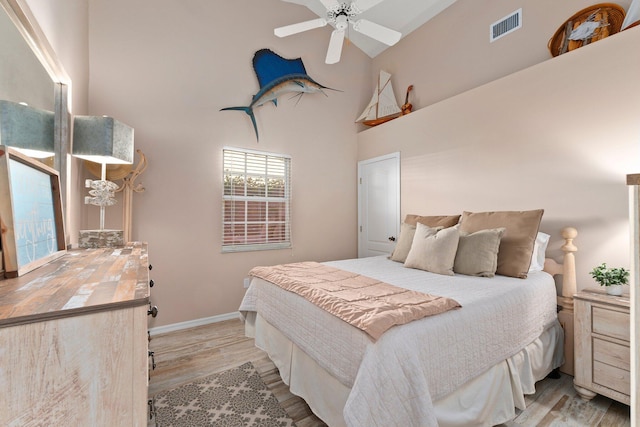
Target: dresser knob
151,283
153,311
150,267
152,409
153,359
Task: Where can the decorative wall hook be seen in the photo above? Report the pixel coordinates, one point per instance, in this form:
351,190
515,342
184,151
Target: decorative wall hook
127,188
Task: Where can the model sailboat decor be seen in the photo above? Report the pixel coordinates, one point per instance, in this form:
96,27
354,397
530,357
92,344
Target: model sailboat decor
383,105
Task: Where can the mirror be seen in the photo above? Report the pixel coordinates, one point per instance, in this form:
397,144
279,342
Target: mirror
22,76
31,73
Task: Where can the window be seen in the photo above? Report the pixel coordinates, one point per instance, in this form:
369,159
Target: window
256,200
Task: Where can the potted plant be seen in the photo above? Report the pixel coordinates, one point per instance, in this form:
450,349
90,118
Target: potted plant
611,277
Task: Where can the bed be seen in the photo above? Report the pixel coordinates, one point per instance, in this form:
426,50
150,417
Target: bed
468,366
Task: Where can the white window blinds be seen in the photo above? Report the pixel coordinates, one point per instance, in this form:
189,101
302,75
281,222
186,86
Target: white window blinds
256,211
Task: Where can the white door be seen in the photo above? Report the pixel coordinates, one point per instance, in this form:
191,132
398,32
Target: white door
378,205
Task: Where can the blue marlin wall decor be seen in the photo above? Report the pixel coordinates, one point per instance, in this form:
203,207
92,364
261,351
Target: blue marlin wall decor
277,76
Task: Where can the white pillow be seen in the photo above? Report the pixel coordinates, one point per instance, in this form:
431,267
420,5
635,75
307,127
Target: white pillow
539,251
433,250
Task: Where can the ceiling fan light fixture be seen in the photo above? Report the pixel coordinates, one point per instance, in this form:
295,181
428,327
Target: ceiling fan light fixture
340,15
342,22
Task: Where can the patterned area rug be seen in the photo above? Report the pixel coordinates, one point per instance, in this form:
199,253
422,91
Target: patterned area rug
233,398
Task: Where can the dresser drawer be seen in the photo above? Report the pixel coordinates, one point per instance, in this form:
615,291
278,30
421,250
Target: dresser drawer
611,377
611,323
611,354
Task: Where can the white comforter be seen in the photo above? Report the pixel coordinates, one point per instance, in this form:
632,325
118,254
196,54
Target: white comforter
394,380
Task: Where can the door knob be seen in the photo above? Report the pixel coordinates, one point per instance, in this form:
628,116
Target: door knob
392,239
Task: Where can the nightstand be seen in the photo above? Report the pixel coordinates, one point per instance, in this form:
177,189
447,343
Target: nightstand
602,350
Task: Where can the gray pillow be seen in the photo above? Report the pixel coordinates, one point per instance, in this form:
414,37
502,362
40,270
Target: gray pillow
403,246
478,252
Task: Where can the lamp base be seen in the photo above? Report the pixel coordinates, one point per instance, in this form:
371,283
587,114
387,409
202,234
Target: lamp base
101,239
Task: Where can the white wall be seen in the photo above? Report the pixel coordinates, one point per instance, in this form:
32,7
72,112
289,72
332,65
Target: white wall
167,68
560,135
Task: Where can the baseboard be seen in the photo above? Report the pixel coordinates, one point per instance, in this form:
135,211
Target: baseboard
193,323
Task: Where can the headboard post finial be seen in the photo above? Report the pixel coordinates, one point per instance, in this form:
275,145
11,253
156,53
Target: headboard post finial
569,287
569,233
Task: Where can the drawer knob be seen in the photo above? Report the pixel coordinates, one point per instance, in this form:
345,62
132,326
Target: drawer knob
150,267
151,283
153,311
152,409
153,359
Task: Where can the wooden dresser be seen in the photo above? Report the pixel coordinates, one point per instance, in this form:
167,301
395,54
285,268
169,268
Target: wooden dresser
601,345
73,341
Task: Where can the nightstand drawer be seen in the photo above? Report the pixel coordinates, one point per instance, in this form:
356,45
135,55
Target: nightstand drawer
601,343
611,323
611,377
611,353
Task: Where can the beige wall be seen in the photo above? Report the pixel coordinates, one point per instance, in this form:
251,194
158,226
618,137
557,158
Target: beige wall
560,135
167,68
452,53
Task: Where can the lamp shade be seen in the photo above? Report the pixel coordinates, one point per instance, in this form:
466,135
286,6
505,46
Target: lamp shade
102,139
27,129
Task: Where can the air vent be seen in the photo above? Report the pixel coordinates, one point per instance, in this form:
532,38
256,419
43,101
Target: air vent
506,25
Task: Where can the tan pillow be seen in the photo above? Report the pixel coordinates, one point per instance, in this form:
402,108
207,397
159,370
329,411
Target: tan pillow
478,252
403,246
516,245
433,250
433,221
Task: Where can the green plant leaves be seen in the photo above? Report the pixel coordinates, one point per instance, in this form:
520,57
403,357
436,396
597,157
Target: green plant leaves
610,276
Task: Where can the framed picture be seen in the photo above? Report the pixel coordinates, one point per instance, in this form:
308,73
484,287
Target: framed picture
31,218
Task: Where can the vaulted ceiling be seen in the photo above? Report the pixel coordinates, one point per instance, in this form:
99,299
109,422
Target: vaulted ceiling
401,15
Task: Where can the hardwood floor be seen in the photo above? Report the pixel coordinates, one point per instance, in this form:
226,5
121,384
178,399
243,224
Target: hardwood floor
186,355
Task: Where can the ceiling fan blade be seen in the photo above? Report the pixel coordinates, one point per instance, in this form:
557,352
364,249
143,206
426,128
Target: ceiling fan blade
330,4
335,47
377,32
299,27
362,5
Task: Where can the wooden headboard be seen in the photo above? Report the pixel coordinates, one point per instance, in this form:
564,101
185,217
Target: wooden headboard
568,266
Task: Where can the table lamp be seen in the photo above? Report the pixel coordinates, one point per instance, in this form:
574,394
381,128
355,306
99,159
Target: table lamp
27,129
102,140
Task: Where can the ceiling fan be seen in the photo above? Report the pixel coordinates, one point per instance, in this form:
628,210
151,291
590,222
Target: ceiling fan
340,15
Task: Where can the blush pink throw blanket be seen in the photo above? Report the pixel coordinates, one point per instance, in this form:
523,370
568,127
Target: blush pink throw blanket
368,304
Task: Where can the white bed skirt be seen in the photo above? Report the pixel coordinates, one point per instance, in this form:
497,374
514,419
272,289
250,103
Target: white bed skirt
487,400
